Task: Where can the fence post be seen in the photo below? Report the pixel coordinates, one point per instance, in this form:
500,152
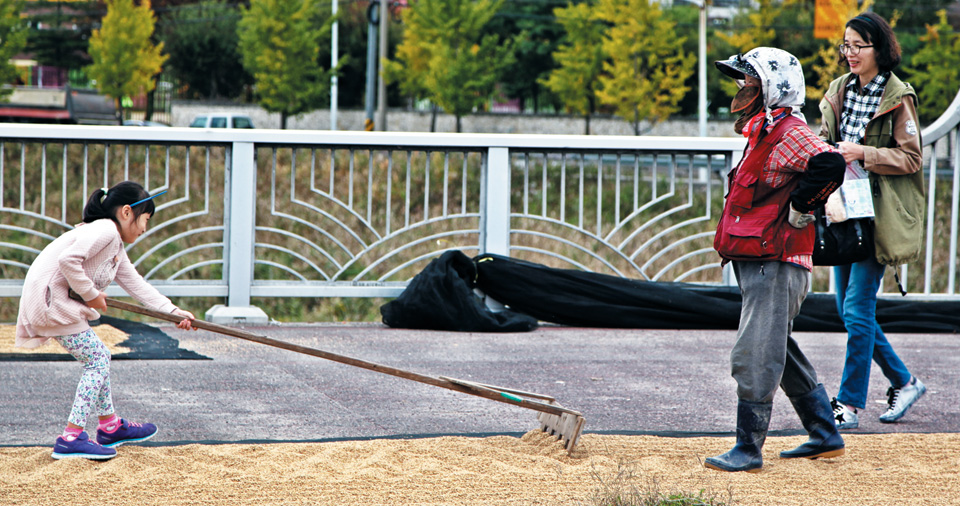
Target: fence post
495,209
240,206
495,216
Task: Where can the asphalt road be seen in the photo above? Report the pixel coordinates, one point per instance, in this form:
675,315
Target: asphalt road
623,381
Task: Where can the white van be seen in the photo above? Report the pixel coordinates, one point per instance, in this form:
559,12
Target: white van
221,120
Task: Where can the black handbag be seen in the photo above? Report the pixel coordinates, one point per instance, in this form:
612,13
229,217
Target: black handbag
842,243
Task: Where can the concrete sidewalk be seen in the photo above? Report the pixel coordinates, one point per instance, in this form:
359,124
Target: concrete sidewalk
623,381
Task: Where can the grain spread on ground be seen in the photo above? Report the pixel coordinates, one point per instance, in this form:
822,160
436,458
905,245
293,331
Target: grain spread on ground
111,336
888,469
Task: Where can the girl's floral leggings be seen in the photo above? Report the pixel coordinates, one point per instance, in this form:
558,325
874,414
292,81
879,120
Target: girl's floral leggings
93,391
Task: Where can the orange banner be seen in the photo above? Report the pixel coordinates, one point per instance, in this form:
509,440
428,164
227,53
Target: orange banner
830,16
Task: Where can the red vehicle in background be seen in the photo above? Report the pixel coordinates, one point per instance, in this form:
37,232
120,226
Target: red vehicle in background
72,106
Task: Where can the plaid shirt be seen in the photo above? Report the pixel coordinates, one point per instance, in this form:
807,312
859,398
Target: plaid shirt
789,157
796,147
860,106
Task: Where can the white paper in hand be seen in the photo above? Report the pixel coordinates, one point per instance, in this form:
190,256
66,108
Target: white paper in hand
857,199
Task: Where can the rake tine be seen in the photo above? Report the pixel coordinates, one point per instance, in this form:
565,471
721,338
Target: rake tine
566,426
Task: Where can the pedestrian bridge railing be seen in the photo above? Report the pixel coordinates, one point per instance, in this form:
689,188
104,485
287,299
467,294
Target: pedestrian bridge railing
271,213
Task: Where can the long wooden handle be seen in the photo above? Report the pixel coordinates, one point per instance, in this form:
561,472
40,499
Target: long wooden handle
488,391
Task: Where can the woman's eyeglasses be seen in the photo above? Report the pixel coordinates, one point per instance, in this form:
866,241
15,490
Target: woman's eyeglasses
851,50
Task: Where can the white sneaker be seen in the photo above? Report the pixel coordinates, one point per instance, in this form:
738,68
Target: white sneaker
845,418
899,400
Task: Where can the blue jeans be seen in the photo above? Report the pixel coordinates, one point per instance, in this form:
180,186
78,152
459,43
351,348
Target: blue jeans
857,286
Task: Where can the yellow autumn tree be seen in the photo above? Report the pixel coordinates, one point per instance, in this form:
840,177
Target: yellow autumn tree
579,60
124,58
644,76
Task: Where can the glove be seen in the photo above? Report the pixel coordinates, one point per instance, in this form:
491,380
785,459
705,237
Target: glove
823,176
834,208
798,219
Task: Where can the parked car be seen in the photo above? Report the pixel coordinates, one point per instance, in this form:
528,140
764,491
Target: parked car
221,120
143,123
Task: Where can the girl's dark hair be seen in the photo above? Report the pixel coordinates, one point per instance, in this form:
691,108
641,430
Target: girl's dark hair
875,30
105,204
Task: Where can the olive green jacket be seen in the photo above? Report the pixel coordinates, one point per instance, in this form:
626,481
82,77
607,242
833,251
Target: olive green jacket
893,156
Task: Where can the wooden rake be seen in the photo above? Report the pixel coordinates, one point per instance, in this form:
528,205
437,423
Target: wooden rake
566,424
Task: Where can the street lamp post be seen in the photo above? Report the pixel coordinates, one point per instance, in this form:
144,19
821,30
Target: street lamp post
702,68
381,123
334,36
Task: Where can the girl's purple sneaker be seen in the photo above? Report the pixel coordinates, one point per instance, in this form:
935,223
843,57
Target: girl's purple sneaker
81,447
128,432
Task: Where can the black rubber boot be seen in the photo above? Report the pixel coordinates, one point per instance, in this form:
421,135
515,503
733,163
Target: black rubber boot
753,419
817,417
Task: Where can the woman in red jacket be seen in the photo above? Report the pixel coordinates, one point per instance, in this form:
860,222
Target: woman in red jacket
785,173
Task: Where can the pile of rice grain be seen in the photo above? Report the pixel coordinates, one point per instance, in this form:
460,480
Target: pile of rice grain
890,469
111,336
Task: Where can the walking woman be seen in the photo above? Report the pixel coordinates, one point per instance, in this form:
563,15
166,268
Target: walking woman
786,172
872,115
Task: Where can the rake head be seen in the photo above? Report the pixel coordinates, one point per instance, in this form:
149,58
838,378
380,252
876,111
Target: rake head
567,427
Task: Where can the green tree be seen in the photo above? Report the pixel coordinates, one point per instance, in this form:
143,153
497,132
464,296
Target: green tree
445,57
59,36
412,57
13,38
124,58
280,45
580,59
536,33
912,15
937,68
202,42
647,67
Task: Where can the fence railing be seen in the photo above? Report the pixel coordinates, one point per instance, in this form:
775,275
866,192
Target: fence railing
268,213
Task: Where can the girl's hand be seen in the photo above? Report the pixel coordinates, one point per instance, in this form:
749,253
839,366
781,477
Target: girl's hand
187,322
851,151
98,302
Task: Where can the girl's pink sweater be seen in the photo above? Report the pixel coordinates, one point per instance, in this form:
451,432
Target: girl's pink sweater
86,259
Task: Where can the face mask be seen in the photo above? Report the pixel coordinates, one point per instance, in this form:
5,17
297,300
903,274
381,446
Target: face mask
748,103
745,98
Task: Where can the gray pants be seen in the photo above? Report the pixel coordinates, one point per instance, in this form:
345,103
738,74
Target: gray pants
765,356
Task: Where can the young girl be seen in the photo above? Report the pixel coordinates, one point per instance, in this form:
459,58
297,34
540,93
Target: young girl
85,261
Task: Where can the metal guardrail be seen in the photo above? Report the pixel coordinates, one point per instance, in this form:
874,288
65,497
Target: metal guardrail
271,213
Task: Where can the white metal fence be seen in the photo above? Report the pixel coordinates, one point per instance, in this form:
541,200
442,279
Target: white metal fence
269,213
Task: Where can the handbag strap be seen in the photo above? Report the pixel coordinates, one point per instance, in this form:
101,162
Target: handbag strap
859,229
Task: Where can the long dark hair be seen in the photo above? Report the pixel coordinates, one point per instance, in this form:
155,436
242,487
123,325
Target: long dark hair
104,203
875,30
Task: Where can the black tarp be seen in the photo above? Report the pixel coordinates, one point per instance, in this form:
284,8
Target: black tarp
441,297
586,299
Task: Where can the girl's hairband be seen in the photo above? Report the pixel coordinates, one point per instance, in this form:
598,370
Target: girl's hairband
141,201
104,196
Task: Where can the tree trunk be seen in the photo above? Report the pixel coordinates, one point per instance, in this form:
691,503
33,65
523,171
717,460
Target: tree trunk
214,92
458,123
283,121
119,105
586,130
591,108
433,117
151,96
